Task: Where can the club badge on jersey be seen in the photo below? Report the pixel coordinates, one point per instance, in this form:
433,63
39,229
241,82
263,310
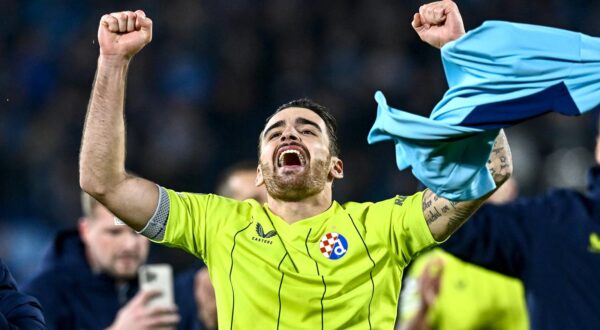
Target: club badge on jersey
333,246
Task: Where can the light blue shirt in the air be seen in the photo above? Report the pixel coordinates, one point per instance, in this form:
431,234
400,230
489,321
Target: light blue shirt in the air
499,74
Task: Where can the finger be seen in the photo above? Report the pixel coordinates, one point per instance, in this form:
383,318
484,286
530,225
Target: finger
144,296
423,14
164,320
122,20
139,15
131,18
416,22
159,310
453,17
439,13
110,22
439,264
434,13
144,21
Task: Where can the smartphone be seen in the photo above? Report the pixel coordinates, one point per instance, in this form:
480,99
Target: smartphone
158,277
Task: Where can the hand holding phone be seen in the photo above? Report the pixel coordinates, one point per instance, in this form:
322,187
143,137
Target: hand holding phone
159,278
137,315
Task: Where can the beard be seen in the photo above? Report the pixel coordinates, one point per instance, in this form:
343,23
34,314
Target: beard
120,271
297,186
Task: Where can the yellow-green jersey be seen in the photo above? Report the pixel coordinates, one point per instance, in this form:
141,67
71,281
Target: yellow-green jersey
340,269
470,297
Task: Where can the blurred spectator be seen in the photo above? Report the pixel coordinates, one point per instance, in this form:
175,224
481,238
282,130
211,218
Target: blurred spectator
551,242
236,182
89,277
442,292
17,310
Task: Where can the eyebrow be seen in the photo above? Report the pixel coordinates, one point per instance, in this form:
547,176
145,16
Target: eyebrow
304,121
299,121
274,126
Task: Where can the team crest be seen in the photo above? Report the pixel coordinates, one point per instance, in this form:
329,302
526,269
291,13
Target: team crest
333,246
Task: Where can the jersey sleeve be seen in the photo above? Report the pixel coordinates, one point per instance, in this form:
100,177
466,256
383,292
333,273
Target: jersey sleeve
189,221
403,226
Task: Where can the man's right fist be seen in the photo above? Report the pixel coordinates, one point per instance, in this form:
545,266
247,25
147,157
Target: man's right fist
124,33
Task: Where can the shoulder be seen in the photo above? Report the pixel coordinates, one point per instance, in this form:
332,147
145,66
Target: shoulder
50,281
385,205
550,203
221,211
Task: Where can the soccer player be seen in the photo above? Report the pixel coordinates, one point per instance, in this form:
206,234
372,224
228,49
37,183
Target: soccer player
301,260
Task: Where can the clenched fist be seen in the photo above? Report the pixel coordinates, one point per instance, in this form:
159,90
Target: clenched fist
438,23
124,34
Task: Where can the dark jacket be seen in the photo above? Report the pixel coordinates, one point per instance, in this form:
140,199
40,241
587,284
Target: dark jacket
17,310
185,299
551,243
73,296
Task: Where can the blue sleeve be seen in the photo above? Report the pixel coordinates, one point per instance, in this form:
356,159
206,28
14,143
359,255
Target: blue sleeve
498,237
17,310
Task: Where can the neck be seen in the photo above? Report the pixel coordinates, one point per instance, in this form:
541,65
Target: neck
292,212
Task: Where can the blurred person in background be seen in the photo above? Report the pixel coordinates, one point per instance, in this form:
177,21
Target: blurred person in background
17,309
237,182
443,292
275,264
550,242
89,277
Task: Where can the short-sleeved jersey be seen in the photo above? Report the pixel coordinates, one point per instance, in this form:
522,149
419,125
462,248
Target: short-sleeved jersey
340,269
470,297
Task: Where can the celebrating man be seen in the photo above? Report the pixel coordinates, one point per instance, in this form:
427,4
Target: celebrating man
302,260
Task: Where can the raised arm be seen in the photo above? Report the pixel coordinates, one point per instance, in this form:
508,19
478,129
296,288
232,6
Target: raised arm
444,216
102,156
438,23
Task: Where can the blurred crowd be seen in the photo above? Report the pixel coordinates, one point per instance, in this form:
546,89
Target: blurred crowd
199,93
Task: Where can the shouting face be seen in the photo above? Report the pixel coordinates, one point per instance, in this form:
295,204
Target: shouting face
295,158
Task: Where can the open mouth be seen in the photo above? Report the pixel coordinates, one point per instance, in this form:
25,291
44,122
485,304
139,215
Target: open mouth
290,157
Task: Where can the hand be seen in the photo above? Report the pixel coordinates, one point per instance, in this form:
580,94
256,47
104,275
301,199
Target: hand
204,293
124,34
438,23
136,315
429,282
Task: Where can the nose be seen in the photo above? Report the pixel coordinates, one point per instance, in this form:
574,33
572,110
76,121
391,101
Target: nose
289,134
130,241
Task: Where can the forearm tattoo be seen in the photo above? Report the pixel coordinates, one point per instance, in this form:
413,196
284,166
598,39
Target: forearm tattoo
444,216
500,162
439,211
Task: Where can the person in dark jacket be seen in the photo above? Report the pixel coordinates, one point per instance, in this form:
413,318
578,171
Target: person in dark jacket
552,243
89,277
17,310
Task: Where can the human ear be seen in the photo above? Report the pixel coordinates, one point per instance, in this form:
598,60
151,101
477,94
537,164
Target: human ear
337,168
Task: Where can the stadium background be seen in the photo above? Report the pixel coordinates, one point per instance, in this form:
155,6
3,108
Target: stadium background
198,95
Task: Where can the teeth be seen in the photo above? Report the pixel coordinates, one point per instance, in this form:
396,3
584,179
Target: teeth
290,151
